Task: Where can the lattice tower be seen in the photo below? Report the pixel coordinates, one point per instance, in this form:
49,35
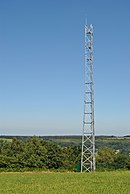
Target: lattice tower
88,136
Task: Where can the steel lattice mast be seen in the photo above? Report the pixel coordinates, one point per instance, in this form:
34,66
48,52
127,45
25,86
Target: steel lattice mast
88,136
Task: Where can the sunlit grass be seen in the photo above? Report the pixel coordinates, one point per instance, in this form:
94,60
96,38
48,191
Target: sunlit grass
65,183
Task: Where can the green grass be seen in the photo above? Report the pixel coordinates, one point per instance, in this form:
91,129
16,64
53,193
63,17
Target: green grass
5,139
65,183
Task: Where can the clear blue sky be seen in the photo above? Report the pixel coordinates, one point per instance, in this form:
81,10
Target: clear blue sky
42,66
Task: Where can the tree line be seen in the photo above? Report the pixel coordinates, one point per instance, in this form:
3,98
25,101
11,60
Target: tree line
36,153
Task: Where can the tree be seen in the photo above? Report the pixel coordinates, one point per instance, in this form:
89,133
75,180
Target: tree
106,157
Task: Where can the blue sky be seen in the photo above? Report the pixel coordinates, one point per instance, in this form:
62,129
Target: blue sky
42,66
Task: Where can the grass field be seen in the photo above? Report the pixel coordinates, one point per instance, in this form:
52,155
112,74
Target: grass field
65,183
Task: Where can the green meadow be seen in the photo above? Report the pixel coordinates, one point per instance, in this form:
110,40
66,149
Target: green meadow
114,182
